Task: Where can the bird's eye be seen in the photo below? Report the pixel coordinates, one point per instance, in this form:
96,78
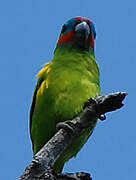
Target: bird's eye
64,27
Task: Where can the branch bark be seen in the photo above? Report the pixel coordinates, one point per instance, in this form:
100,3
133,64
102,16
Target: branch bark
43,161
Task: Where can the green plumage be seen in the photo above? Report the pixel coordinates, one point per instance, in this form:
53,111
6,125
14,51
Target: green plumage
63,86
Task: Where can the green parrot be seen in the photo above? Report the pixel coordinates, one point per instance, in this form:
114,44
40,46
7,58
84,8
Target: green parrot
64,84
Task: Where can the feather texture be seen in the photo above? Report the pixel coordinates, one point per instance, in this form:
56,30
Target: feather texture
63,86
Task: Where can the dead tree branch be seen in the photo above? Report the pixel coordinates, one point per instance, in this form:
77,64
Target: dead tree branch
43,161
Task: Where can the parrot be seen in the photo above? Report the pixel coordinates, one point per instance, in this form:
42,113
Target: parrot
63,86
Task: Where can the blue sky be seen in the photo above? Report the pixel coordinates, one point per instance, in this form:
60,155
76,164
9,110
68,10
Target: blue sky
28,33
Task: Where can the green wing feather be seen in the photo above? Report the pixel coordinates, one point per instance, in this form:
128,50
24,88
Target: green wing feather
39,82
42,77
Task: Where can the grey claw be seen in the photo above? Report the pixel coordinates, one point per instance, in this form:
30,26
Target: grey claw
67,125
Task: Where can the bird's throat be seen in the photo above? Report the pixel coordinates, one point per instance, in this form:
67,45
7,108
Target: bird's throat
70,49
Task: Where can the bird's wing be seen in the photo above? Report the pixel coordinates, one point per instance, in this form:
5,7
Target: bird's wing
42,77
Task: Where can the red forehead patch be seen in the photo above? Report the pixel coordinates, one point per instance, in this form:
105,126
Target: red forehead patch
82,18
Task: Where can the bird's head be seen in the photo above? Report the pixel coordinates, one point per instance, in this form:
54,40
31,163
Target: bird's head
78,32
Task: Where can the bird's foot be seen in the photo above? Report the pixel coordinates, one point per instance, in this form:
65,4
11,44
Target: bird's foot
92,101
67,125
